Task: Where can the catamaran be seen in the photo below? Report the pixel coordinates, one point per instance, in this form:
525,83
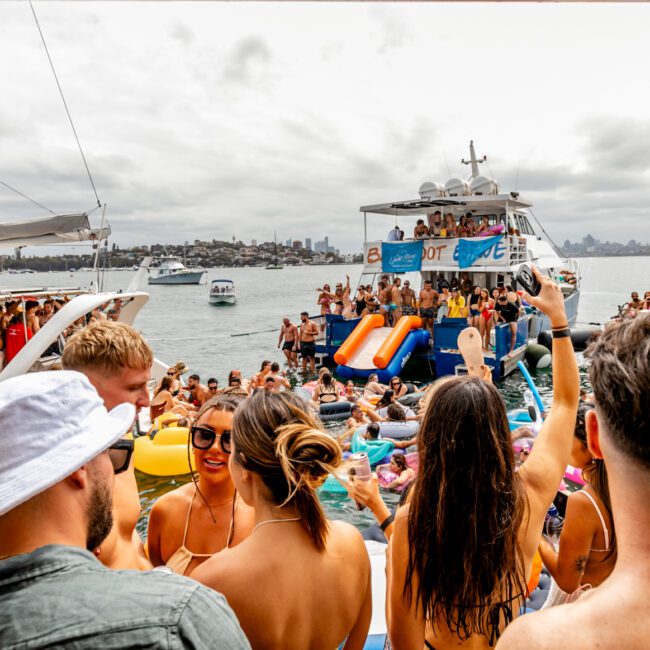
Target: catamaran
513,238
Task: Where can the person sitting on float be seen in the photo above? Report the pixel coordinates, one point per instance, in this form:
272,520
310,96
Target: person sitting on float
397,465
193,522
326,391
373,387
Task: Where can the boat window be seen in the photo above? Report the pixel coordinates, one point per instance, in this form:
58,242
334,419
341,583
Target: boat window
528,228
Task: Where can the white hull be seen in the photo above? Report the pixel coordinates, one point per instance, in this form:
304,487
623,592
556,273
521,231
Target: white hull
223,300
181,277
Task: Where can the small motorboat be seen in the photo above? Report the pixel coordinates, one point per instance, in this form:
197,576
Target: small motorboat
222,292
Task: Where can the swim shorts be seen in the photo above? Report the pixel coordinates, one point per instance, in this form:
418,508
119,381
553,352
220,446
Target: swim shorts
288,345
409,311
427,312
392,306
308,350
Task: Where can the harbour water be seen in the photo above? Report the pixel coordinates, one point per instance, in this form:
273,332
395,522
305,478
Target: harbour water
181,325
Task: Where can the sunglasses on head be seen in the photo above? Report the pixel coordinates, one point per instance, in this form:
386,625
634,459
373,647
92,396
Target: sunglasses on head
203,438
120,454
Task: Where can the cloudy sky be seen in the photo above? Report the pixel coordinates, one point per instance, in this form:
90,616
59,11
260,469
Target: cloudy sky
222,119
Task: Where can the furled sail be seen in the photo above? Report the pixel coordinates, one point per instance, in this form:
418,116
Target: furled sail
58,229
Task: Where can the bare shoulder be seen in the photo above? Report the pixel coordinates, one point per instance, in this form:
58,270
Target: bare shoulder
172,500
346,534
221,570
531,632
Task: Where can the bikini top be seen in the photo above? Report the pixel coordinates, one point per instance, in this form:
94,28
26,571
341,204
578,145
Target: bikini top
325,394
602,523
182,557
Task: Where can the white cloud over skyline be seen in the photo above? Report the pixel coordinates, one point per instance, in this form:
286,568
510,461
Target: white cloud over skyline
206,121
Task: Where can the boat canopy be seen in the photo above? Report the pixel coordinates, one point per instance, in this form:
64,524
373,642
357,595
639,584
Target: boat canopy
425,206
226,281
57,229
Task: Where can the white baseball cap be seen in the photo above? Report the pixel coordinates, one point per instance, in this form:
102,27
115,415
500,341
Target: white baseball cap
51,423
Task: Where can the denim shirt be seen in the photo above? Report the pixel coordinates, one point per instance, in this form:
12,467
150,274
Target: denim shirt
62,597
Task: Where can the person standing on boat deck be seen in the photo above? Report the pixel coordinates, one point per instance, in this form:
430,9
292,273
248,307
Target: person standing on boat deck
450,227
383,295
55,503
33,322
428,306
456,305
289,332
308,334
395,234
348,310
408,300
507,312
420,231
396,301
435,224
301,564
117,362
615,615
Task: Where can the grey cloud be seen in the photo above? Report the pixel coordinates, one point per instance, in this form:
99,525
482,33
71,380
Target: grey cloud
182,33
248,53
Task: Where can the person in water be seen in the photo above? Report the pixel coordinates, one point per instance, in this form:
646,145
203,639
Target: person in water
403,472
193,522
456,581
587,552
117,361
301,564
615,615
56,506
325,392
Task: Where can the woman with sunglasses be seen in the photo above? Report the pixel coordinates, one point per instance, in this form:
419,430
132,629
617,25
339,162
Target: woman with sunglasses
299,580
399,389
201,518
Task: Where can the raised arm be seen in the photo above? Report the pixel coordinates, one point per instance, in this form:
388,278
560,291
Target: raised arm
547,462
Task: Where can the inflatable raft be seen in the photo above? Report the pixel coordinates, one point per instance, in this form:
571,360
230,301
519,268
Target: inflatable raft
163,451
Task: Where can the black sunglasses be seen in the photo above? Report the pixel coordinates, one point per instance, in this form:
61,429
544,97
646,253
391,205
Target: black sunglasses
120,454
212,387
203,438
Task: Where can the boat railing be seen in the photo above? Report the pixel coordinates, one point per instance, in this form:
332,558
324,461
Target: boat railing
518,250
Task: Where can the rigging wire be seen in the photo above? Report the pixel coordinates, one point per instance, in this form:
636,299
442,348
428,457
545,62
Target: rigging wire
40,205
551,242
56,78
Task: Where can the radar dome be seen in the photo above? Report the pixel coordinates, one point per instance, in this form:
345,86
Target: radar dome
457,187
430,190
484,186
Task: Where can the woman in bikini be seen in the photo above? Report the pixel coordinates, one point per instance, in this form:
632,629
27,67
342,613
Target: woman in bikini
474,319
450,225
325,392
190,524
163,402
299,580
325,299
587,552
463,547
486,306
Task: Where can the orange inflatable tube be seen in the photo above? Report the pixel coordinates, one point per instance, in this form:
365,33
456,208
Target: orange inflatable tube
359,333
388,348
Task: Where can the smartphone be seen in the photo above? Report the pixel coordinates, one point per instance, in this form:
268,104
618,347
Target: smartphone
528,281
360,470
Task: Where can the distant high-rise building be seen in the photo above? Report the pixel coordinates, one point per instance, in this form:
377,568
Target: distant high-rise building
253,242
297,243
288,243
308,244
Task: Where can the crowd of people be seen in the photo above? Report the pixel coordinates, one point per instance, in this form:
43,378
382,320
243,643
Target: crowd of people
21,319
437,225
455,297
249,557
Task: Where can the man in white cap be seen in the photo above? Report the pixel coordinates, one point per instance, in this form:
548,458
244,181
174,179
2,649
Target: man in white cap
59,451
117,361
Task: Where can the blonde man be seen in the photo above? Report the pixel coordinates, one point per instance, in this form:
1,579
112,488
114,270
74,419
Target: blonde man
117,361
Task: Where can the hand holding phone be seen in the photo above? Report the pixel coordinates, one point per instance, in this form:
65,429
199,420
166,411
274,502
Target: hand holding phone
526,278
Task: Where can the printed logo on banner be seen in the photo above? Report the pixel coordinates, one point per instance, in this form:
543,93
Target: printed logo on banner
401,257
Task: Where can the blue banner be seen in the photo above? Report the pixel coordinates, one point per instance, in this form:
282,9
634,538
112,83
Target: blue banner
469,250
401,256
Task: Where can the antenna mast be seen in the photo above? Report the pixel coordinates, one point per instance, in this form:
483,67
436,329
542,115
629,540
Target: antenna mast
473,160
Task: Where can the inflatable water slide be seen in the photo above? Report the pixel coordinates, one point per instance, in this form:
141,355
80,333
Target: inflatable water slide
371,347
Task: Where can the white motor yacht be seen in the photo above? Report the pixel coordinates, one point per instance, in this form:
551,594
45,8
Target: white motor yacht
172,271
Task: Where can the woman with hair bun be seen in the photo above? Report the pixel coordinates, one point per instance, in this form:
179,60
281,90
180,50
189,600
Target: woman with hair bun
299,580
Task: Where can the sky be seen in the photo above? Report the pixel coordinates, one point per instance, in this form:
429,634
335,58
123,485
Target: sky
221,120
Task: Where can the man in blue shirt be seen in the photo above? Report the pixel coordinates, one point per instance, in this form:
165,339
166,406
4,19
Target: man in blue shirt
59,452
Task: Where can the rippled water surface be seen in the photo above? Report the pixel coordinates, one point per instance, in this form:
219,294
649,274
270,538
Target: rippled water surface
182,325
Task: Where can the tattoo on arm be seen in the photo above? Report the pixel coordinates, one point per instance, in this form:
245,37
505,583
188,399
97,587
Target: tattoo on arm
579,564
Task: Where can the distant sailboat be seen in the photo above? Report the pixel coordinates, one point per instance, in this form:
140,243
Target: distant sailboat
275,266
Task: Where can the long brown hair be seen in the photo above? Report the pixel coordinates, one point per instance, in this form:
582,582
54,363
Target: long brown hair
165,384
277,439
595,473
465,513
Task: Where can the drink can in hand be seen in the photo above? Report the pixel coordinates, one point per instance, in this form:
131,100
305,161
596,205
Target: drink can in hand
359,470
